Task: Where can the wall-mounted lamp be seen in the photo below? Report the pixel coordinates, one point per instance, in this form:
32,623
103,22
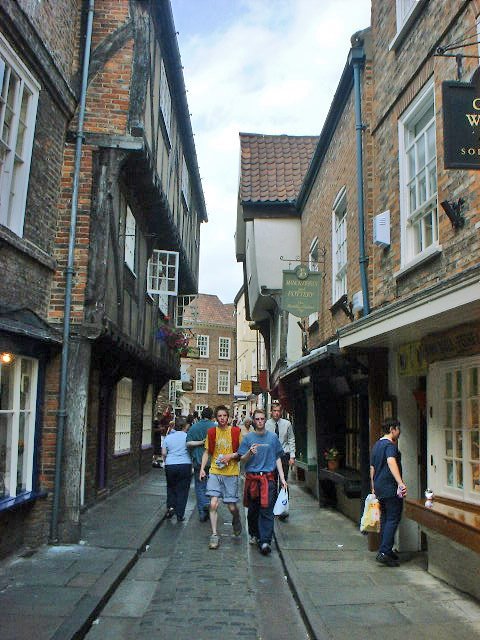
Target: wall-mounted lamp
454,212
347,308
6,357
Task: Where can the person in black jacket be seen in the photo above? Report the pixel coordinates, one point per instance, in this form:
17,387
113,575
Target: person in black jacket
388,485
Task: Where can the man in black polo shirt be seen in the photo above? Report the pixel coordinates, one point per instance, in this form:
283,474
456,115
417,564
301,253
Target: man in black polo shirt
387,484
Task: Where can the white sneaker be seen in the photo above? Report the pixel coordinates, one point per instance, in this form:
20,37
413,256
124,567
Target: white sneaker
252,540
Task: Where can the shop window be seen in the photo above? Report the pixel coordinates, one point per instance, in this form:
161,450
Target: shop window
123,416
18,110
147,418
352,431
201,380
418,178
18,386
339,244
454,431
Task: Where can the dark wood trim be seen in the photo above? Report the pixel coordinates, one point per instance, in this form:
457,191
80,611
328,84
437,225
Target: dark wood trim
455,520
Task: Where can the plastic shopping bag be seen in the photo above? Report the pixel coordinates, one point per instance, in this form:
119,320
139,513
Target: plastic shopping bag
370,522
281,505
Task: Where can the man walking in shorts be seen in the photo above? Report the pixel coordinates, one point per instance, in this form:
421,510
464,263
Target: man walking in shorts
222,444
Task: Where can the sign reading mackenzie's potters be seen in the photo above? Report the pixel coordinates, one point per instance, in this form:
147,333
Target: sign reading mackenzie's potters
301,291
461,124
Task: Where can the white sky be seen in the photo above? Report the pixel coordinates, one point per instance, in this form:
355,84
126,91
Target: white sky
257,66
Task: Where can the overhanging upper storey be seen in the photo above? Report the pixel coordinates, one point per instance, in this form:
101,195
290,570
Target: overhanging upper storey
268,223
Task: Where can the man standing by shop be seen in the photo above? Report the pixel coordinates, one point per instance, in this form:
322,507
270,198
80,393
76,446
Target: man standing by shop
261,452
284,430
387,484
195,444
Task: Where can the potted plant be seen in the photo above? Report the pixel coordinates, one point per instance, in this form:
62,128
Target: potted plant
332,456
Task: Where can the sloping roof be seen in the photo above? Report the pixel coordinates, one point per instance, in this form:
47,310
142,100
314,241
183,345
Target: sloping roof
209,309
273,166
25,322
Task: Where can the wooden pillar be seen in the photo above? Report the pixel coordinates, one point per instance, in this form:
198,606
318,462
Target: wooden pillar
377,392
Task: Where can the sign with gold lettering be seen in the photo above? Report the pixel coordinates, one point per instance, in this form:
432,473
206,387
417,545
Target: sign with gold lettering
301,291
461,124
460,341
411,360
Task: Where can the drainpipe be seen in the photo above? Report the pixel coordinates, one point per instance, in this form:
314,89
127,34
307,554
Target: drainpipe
69,272
357,60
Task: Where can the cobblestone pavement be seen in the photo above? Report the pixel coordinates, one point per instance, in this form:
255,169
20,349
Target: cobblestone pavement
230,592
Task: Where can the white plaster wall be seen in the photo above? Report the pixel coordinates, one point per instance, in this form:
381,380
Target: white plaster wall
275,237
294,340
402,388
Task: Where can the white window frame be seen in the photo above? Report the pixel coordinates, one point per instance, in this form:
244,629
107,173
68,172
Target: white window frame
182,303
201,386
465,408
15,153
223,382
185,182
415,225
147,418
199,408
123,416
339,246
407,12
130,239
165,100
172,392
162,273
203,344
225,349
313,266
16,460
404,10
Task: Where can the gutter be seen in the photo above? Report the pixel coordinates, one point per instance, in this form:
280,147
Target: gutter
69,272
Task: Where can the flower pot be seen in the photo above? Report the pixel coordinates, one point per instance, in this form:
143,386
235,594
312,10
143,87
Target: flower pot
332,465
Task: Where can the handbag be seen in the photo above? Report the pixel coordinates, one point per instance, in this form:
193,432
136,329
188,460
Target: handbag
281,505
370,522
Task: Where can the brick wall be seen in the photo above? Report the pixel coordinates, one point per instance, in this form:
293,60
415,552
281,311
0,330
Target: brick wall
338,170
213,364
399,77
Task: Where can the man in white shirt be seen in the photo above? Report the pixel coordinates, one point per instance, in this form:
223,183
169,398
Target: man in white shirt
284,430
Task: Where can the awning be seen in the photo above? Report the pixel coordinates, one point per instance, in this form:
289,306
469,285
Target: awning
24,322
315,356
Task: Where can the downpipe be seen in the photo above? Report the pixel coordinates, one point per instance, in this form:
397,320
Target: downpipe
69,272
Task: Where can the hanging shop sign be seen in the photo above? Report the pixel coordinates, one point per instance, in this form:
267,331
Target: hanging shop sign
461,124
246,386
411,360
301,291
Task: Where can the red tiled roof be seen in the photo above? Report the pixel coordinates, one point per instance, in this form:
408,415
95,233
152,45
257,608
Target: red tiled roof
273,167
209,309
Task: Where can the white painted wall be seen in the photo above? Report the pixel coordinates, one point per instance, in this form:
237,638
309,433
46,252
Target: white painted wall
402,388
294,340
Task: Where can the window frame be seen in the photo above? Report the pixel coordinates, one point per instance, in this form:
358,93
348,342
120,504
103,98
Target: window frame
12,209
438,426
221,388
130,240
147,418
204,349
165,100
162,273
228,350
408,221
12,436
185,181
339,223
197,388
123,411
